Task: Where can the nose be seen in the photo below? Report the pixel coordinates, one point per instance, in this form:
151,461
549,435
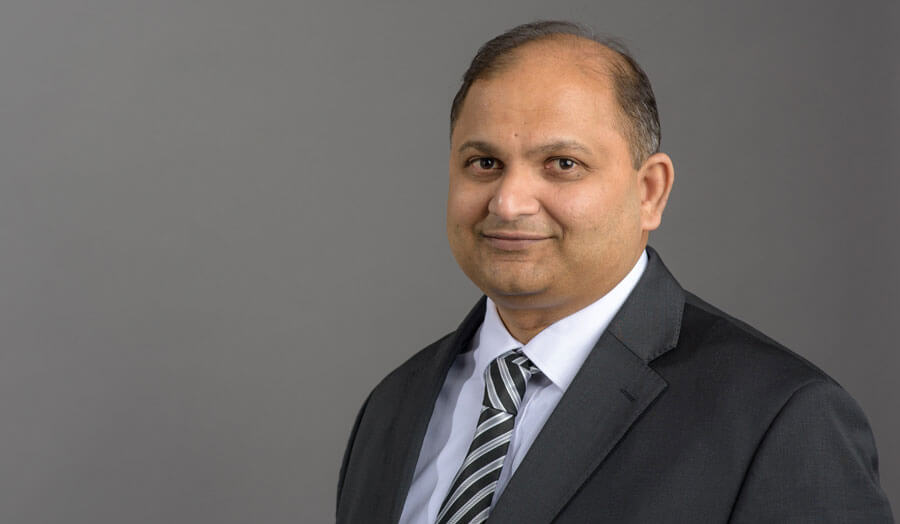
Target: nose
515,194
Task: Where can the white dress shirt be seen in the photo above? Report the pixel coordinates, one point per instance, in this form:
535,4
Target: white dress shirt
558,351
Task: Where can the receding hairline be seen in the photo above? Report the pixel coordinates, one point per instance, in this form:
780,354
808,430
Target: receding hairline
596,56
602,56
595,59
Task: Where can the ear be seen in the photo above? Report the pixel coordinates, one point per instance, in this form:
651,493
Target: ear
655,180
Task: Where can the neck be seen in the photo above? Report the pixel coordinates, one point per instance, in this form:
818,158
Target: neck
525,324
525,317
522,329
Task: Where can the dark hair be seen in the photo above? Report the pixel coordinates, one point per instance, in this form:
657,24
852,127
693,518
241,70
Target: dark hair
632,87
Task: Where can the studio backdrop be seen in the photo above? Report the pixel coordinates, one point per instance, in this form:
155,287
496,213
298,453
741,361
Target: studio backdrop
222,222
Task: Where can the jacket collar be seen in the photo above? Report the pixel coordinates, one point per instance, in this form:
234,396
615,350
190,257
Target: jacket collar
649,321
611,390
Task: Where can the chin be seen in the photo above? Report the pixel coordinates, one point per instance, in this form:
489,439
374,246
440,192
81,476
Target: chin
513,291
511,279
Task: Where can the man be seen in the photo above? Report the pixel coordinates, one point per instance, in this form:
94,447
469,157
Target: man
587,386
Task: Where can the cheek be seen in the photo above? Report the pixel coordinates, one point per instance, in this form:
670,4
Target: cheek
465,206
594,220
582,211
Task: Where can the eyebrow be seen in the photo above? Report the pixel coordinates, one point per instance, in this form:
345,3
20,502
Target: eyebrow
545,148
479,145
562,144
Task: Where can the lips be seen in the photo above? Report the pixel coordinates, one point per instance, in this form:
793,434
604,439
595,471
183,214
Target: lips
513,240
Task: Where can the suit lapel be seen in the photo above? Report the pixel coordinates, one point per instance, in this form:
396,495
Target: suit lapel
409,418
610,392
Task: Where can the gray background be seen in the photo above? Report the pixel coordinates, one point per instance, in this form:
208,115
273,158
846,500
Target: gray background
221,222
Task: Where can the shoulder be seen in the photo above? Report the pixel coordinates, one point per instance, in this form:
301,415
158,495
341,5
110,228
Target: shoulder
735,352
727,374
810,452
424,371
804,440
425,360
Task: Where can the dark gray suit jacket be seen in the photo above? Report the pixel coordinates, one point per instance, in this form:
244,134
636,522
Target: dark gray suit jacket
679,414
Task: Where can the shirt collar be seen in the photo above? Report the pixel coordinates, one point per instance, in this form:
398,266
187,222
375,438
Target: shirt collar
562,347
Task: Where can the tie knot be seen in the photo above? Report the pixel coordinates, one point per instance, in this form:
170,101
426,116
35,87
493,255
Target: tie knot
505,380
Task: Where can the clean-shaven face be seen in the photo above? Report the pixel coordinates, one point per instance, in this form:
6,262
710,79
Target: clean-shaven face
543,208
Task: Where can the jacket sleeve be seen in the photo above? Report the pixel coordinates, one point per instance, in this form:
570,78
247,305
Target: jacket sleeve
816,463
347,452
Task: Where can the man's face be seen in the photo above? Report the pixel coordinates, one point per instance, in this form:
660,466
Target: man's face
544,206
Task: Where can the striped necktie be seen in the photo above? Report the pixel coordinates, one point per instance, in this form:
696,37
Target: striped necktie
470,495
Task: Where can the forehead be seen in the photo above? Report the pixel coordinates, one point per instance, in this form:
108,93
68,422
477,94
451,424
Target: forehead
588,56
544,87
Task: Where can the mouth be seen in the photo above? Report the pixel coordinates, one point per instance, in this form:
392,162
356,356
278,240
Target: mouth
512,240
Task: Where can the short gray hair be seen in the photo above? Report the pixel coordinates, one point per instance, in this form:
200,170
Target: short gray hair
632,87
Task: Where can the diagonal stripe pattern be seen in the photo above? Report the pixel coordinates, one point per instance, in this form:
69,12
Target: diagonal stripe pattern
470,495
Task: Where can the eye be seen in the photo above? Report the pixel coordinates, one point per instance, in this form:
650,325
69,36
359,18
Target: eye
484,163
564,168
487,163
565,163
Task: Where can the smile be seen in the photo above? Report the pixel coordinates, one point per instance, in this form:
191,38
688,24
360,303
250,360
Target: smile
512,241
